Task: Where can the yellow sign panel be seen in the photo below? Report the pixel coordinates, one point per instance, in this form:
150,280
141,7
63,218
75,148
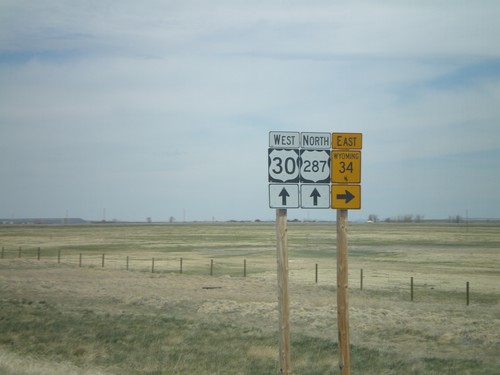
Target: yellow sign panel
347,141
346,197
346,167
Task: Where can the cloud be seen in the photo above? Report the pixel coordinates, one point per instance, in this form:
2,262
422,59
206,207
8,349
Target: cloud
309,30
157,107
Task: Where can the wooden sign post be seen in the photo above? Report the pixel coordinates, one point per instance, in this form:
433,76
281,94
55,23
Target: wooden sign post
342,297
283,302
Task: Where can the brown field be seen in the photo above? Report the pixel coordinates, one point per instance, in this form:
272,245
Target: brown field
58,316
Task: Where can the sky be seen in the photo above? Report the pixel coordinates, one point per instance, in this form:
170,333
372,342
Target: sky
127,110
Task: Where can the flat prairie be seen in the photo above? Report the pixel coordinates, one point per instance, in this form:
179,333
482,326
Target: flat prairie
189,298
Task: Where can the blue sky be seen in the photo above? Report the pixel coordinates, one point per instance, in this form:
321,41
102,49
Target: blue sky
162,108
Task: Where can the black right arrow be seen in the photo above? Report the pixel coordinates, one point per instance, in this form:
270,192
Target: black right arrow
283,196
315,195
347,196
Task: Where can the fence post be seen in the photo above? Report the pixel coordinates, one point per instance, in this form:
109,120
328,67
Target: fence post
316,278
38,254
180,270
80,260
153,265
244,268
211,267
467,292
58,256
19,254
361,280
2,251
126,267
102,260
411,287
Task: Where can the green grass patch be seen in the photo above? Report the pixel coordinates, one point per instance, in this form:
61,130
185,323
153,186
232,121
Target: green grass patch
163,344
133,344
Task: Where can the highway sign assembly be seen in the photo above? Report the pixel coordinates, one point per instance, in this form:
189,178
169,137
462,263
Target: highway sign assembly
314,170
305,168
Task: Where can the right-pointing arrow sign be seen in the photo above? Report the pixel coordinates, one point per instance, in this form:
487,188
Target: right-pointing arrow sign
347,196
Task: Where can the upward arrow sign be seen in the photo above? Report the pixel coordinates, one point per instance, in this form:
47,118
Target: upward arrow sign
284,194
315,195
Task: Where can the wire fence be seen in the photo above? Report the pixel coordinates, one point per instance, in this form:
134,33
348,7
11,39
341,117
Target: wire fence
154,264
309,272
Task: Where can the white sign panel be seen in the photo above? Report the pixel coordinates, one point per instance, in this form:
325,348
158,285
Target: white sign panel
316,141
315,196
284,196
284,139
283,165
315,166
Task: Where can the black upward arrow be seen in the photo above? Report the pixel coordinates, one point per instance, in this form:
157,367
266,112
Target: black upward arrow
283,196
315,195
347,196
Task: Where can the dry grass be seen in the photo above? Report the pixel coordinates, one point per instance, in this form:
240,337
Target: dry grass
11,363
62,318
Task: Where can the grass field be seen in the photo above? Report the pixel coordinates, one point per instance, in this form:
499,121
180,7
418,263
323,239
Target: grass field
77,306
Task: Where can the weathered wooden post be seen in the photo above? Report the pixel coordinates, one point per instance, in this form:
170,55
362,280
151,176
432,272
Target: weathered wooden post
342,296
467,292
361,280
283,302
